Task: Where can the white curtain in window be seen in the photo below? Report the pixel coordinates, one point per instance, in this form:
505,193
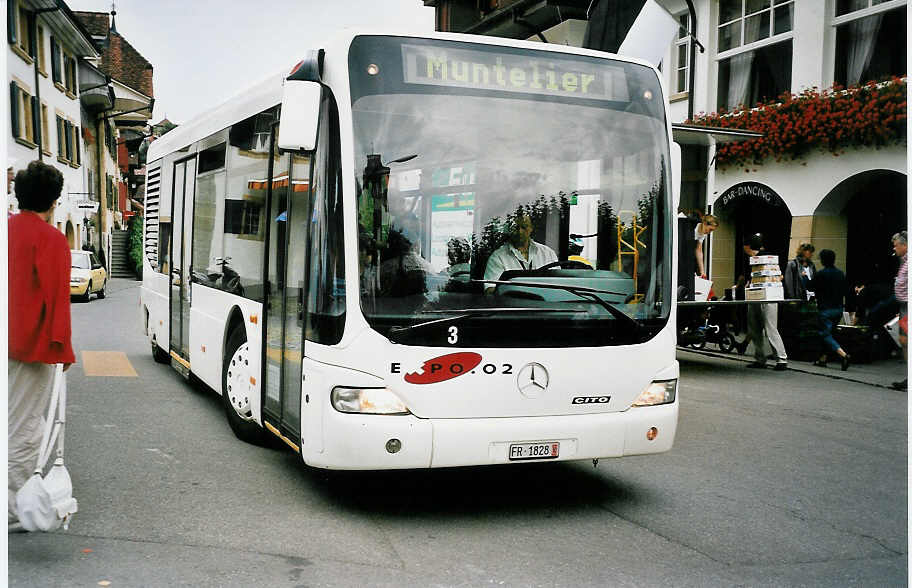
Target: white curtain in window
739,68
862,36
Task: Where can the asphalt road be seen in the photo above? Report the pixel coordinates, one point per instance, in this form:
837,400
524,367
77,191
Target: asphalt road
776,479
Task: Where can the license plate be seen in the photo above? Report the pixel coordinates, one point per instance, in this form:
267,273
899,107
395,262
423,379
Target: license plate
541,450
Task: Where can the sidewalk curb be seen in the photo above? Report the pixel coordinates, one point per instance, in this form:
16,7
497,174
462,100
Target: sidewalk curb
794,369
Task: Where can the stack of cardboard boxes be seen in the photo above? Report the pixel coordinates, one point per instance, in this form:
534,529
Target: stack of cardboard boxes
766,279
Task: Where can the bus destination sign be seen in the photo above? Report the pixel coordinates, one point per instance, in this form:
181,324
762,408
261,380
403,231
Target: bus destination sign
507,72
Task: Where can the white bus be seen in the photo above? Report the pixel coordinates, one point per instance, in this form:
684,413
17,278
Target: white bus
351,254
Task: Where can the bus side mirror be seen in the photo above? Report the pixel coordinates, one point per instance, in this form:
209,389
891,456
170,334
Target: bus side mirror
300,114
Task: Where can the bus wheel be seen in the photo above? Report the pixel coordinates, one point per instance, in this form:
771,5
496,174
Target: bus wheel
159,354
237,389
88,295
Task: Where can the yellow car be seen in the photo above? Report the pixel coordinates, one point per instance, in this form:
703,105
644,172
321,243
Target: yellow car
87,275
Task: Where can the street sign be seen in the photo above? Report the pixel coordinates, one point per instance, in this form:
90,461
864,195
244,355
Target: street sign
87,205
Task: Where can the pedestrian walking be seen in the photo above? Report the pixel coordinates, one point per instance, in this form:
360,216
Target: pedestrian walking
901,291
799,272
829,287
707,225
762,319
39,319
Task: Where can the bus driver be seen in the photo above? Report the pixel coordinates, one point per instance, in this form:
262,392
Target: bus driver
520,252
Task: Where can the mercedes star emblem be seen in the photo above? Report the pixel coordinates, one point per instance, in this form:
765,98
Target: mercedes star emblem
532,380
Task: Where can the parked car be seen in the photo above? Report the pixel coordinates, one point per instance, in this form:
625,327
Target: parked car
87,275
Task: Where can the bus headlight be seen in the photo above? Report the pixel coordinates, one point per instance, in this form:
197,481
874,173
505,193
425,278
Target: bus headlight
78,280
367,401
658,392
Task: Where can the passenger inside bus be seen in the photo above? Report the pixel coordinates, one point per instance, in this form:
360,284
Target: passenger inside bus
366,269
403,271
520,252
458,256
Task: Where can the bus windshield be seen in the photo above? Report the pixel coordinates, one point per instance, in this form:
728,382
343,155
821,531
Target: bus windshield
509,197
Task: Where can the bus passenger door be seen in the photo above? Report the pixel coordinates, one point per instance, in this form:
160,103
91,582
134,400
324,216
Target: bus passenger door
295,287
284,332
181,241
274,300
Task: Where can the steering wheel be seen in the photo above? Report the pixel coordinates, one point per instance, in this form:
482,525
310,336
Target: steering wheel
566,264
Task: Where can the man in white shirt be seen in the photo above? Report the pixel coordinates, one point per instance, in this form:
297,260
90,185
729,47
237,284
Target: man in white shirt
519,253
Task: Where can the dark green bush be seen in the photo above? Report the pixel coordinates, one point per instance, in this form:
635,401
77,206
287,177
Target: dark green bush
135,243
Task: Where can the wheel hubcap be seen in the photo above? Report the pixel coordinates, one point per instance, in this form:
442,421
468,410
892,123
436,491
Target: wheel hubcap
239,388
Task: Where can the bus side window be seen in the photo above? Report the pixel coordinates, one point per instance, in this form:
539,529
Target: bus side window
164,244
326,250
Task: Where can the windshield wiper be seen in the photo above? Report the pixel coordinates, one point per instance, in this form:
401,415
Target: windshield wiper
581,291
459,314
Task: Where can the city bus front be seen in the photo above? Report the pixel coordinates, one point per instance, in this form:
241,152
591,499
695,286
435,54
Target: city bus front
514,266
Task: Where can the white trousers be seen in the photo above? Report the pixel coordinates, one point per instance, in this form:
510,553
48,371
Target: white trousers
30,387
760,318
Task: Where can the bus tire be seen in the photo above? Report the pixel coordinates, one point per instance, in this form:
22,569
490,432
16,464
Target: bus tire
88,293
159,354
235,395
101,293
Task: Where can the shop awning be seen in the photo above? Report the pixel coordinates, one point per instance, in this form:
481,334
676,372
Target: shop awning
699,135
131,107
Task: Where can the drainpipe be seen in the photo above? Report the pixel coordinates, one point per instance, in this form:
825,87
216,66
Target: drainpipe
693,44
102,196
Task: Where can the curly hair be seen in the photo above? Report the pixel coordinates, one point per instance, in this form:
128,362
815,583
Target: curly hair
458,250
804,247
38,186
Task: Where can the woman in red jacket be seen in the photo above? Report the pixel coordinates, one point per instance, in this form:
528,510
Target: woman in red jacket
39,317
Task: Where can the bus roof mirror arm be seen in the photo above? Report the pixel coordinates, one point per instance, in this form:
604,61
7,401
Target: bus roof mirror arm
300,115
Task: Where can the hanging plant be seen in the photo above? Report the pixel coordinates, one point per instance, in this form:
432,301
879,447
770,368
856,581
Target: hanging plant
872,115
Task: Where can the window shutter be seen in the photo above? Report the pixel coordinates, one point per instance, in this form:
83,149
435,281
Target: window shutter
69,140
61,149
55,60
78,139
14,109
33,43
12,22
36,120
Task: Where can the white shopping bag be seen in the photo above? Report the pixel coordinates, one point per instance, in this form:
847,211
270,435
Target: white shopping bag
892,329
46,501
702,288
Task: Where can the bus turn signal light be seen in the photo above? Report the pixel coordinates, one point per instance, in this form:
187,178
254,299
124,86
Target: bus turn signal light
652,433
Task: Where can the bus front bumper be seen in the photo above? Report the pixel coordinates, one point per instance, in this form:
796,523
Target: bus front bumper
367,442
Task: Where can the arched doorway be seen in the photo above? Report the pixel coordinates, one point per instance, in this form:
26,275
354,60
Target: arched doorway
71,235
747,208
873,205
